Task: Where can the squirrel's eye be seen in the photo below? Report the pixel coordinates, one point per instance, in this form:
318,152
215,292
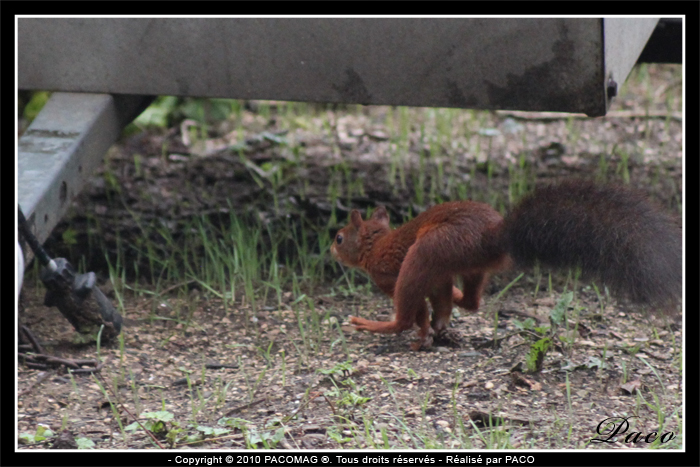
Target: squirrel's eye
339,239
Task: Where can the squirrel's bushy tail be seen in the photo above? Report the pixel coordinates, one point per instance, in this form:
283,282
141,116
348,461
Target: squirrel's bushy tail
612,233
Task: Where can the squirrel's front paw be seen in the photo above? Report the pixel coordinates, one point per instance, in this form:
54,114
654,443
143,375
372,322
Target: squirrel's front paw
425,343
359,323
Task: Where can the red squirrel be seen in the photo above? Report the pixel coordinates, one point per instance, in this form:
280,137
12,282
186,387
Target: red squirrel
612,233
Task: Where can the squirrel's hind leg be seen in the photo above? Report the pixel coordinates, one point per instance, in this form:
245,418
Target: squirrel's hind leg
473,284
422,276
441,300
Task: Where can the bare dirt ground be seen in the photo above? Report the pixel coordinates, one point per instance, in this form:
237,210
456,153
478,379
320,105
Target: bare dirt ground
216,380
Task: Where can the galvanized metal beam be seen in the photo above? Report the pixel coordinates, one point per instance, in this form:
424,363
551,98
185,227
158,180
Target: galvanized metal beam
553,64
623,43
62,147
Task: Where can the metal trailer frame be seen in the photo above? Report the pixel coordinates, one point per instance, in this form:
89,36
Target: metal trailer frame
104,69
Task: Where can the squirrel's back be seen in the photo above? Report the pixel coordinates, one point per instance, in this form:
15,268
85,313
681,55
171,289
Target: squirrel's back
610,232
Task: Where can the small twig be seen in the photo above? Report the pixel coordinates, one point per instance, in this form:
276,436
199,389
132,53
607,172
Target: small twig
32,339
27,357
43,361
496,341
85,361
312,396
63,361
88,370
218,366
245,406
521,115
331,405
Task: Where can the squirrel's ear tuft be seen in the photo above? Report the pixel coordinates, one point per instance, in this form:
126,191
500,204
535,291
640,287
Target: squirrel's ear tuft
356,218
381,215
